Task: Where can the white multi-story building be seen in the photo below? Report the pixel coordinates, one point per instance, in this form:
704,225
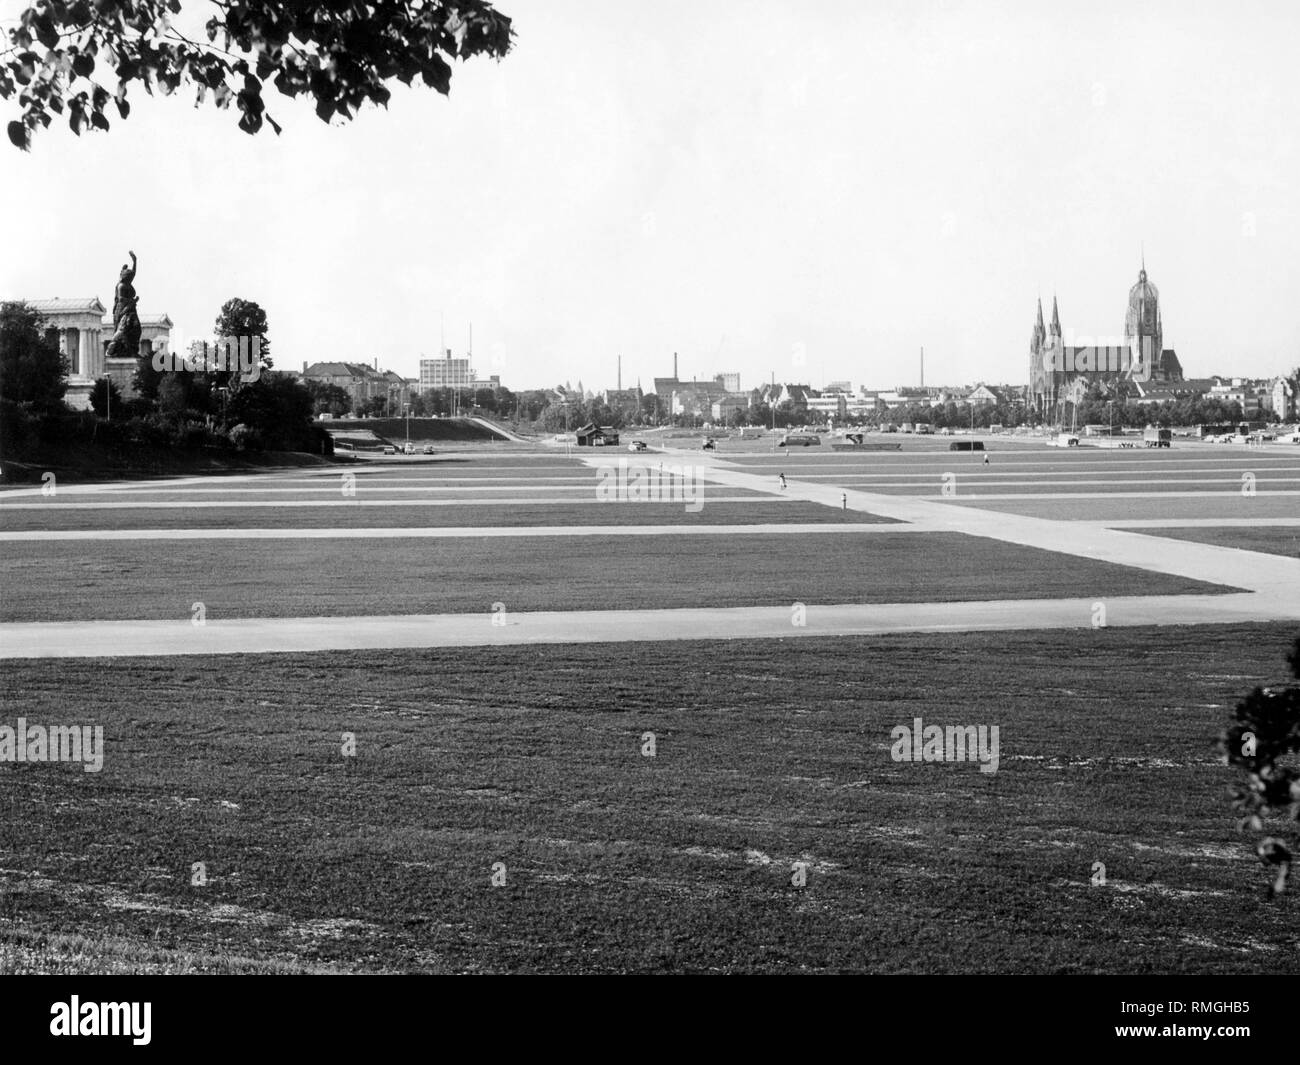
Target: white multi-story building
448,372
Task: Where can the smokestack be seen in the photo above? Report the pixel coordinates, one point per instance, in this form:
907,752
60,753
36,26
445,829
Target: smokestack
674,366
304,368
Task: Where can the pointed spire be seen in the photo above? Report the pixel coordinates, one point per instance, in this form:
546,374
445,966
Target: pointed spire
1039,336
1056,318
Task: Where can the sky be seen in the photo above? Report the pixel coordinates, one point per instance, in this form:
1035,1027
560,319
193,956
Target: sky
811,191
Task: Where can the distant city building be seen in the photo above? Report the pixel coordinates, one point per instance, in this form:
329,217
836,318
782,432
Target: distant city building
1058,372
1283,396
728,405
690,398
834,404
361,382
627,400
1253,397
447,372
983,395
729,381
776,395
453,371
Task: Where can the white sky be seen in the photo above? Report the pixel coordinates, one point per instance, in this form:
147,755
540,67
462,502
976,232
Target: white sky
748,184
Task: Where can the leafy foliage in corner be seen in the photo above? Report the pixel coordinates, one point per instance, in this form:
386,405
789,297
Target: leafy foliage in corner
79,57
1262,743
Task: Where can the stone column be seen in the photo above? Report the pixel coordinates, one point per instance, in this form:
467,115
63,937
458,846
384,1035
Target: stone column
83,353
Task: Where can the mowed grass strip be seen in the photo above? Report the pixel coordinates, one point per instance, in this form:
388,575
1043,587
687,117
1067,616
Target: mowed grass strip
765,755
81,580
1272,539
760,511
1227,504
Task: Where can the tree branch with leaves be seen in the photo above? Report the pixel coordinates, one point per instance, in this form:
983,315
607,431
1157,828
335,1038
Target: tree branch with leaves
1263,743
79,57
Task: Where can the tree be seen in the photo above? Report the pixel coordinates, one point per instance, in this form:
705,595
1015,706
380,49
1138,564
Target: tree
78,56
278,410
31,369
146,379
105,397
241,322
329,398
241,318
1260,743
174,395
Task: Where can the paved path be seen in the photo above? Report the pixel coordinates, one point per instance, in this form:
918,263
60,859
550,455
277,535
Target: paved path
96,639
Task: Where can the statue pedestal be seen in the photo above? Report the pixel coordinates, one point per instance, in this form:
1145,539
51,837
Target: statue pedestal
121,369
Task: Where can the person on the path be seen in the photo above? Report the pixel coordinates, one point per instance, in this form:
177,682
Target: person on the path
986,460
783,480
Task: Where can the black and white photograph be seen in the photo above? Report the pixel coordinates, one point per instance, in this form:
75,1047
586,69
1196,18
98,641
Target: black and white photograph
560,487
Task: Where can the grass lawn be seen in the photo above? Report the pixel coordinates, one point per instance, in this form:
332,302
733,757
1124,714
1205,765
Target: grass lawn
1216,505
1273,539
766,754
367,515
92,579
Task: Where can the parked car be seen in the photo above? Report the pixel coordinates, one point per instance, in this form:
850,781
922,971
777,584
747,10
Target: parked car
637,445
428,449
709,444
409,449
389,449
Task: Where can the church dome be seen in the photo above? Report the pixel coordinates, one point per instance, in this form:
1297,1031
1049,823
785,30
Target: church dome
1143,294
1144,289
1142,326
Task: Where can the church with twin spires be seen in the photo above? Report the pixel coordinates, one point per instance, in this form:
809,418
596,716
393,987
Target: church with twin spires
1058,373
